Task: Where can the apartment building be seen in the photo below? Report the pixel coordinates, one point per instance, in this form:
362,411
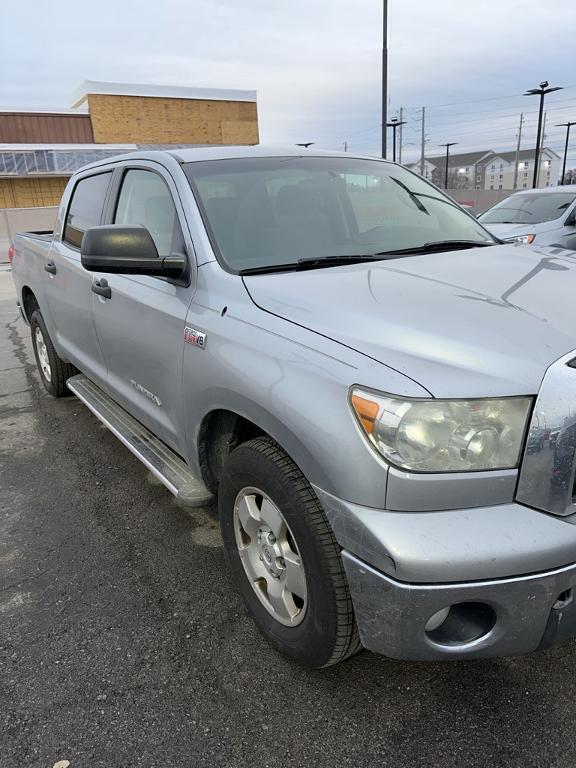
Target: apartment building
490,170
500,170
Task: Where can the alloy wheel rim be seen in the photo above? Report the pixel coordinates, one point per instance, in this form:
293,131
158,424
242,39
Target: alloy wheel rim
43,355
270,556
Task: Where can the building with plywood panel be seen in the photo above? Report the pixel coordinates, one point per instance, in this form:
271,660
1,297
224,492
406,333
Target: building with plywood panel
40,149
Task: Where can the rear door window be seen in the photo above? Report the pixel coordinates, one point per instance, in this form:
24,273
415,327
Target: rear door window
85,209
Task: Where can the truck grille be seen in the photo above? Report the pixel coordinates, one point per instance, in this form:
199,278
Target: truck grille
547,478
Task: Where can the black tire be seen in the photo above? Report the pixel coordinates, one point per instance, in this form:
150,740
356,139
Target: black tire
60,371
327,634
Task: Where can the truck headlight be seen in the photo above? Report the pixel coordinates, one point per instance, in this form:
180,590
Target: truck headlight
443,435
526,239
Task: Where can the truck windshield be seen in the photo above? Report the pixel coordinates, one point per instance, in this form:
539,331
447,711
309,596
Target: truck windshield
265,212
529,208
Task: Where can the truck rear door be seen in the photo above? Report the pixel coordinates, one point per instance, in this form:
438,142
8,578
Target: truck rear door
68,284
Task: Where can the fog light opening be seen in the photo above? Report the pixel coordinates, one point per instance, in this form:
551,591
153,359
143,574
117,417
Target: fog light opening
564,599
460,623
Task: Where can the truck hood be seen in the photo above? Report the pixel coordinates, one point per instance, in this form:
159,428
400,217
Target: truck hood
473,323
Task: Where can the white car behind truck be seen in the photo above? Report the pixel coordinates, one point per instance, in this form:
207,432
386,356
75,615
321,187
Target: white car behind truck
535,217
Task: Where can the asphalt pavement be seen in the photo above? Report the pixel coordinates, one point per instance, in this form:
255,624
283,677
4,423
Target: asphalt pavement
123,642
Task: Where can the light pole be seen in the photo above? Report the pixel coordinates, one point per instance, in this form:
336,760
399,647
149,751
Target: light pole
567,125
384,74
447,145
394,124
541,91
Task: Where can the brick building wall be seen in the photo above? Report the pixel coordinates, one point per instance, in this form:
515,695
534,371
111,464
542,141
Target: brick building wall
31,192
37,146
154,120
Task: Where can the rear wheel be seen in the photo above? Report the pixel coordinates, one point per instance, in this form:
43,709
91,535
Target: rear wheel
284,557
54,371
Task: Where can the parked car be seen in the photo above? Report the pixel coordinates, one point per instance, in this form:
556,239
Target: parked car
535,216
351,365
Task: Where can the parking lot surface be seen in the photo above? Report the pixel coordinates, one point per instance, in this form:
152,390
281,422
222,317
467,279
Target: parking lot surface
123,642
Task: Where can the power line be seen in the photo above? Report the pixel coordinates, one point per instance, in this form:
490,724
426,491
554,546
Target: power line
490,98
438,122
495,115
491,110
512,108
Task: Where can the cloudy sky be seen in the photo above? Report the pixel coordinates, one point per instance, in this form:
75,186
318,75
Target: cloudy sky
314,63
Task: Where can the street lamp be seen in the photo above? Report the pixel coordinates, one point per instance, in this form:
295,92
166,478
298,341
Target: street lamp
447,145
394,124
541,91
384,74
567,125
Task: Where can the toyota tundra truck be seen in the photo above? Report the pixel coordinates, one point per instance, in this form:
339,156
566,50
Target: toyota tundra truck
378,394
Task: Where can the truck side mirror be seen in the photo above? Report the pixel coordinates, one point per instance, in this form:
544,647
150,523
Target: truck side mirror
123,250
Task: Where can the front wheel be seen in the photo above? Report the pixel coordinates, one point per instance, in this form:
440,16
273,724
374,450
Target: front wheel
54,371
284,558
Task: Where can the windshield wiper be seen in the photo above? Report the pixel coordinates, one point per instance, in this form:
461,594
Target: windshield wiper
440,245
331,261
413,196
311,263
510,208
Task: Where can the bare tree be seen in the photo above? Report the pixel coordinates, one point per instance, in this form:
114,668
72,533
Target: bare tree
436,177
457,180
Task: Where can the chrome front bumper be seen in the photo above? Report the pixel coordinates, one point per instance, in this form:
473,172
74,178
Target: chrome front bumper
527,613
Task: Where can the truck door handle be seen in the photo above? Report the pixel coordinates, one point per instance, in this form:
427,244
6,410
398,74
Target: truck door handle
102,288
50,267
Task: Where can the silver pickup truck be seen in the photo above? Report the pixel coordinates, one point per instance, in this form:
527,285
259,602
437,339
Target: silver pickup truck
380,395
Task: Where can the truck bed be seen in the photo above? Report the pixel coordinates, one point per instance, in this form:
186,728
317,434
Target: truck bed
31,253
41,234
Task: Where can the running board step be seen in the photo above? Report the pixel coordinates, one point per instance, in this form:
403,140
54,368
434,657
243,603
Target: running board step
168,467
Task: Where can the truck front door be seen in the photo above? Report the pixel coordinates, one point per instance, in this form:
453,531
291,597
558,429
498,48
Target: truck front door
141,323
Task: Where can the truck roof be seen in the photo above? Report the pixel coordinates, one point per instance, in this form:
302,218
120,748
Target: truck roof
193,154
222,152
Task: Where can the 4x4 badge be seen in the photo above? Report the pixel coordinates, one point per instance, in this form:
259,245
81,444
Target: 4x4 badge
192,336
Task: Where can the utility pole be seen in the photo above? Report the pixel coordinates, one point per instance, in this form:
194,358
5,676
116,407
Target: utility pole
394,124
515,185
541,92
400,135
542,146
384,74
447,145
345,146
423,142
567,125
